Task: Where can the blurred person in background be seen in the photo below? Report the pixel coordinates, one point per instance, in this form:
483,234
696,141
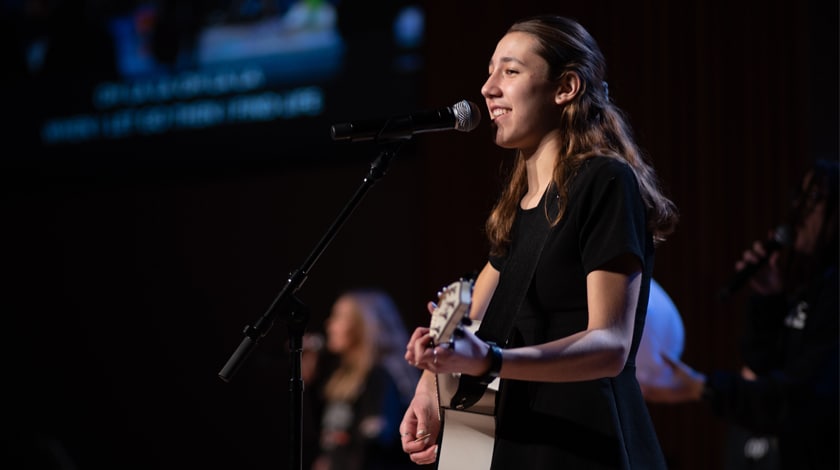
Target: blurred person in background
664,335
788,387
363,396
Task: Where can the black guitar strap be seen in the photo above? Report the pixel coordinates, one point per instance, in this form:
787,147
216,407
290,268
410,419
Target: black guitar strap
506,301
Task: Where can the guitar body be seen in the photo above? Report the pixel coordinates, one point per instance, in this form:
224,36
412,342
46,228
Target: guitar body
467,432
467,435
466,440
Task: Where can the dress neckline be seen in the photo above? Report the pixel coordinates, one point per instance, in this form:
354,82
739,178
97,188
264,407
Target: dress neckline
539,204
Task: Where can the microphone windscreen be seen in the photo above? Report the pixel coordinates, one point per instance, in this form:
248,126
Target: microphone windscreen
783,235
467,115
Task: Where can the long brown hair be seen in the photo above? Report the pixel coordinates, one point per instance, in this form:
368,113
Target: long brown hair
818,185
592,126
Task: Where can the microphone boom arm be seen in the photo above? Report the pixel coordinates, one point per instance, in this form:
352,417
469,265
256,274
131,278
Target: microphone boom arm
298,313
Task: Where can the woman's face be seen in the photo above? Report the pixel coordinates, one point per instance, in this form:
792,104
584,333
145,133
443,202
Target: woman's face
341,331
520,97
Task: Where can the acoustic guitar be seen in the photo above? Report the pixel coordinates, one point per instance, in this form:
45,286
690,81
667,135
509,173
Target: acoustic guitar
467,432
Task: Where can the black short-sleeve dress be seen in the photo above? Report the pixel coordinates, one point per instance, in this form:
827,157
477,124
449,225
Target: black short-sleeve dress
596,424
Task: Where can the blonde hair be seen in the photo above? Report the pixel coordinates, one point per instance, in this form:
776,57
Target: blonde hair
378,336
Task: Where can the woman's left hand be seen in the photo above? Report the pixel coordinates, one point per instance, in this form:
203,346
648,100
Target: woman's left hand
465,354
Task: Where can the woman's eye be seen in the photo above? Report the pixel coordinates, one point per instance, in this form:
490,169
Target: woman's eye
511,71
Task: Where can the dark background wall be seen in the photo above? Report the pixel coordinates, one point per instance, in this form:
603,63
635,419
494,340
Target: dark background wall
126,289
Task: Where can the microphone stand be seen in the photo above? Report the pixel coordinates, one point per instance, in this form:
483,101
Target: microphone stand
297,314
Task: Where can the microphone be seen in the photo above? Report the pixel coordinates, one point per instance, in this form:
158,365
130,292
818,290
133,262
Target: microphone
782,236
463,116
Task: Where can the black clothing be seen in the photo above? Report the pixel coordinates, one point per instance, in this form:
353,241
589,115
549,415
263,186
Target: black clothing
601,423
364,434
792,346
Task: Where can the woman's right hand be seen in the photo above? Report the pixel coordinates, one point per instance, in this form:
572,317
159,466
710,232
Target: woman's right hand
420,426
768,279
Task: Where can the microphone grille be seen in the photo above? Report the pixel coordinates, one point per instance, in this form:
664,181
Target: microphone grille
783,235
467,115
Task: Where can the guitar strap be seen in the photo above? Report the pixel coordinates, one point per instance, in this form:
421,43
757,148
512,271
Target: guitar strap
514,281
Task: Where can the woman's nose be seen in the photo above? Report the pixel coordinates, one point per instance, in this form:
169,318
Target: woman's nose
489,88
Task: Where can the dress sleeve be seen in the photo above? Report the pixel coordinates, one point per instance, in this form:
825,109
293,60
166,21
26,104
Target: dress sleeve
498,262
610,212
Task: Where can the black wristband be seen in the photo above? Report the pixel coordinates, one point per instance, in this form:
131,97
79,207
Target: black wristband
495,355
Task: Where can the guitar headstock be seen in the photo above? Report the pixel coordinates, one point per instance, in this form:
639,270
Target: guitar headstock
453,310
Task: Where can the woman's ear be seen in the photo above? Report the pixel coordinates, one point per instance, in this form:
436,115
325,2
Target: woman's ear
567,87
